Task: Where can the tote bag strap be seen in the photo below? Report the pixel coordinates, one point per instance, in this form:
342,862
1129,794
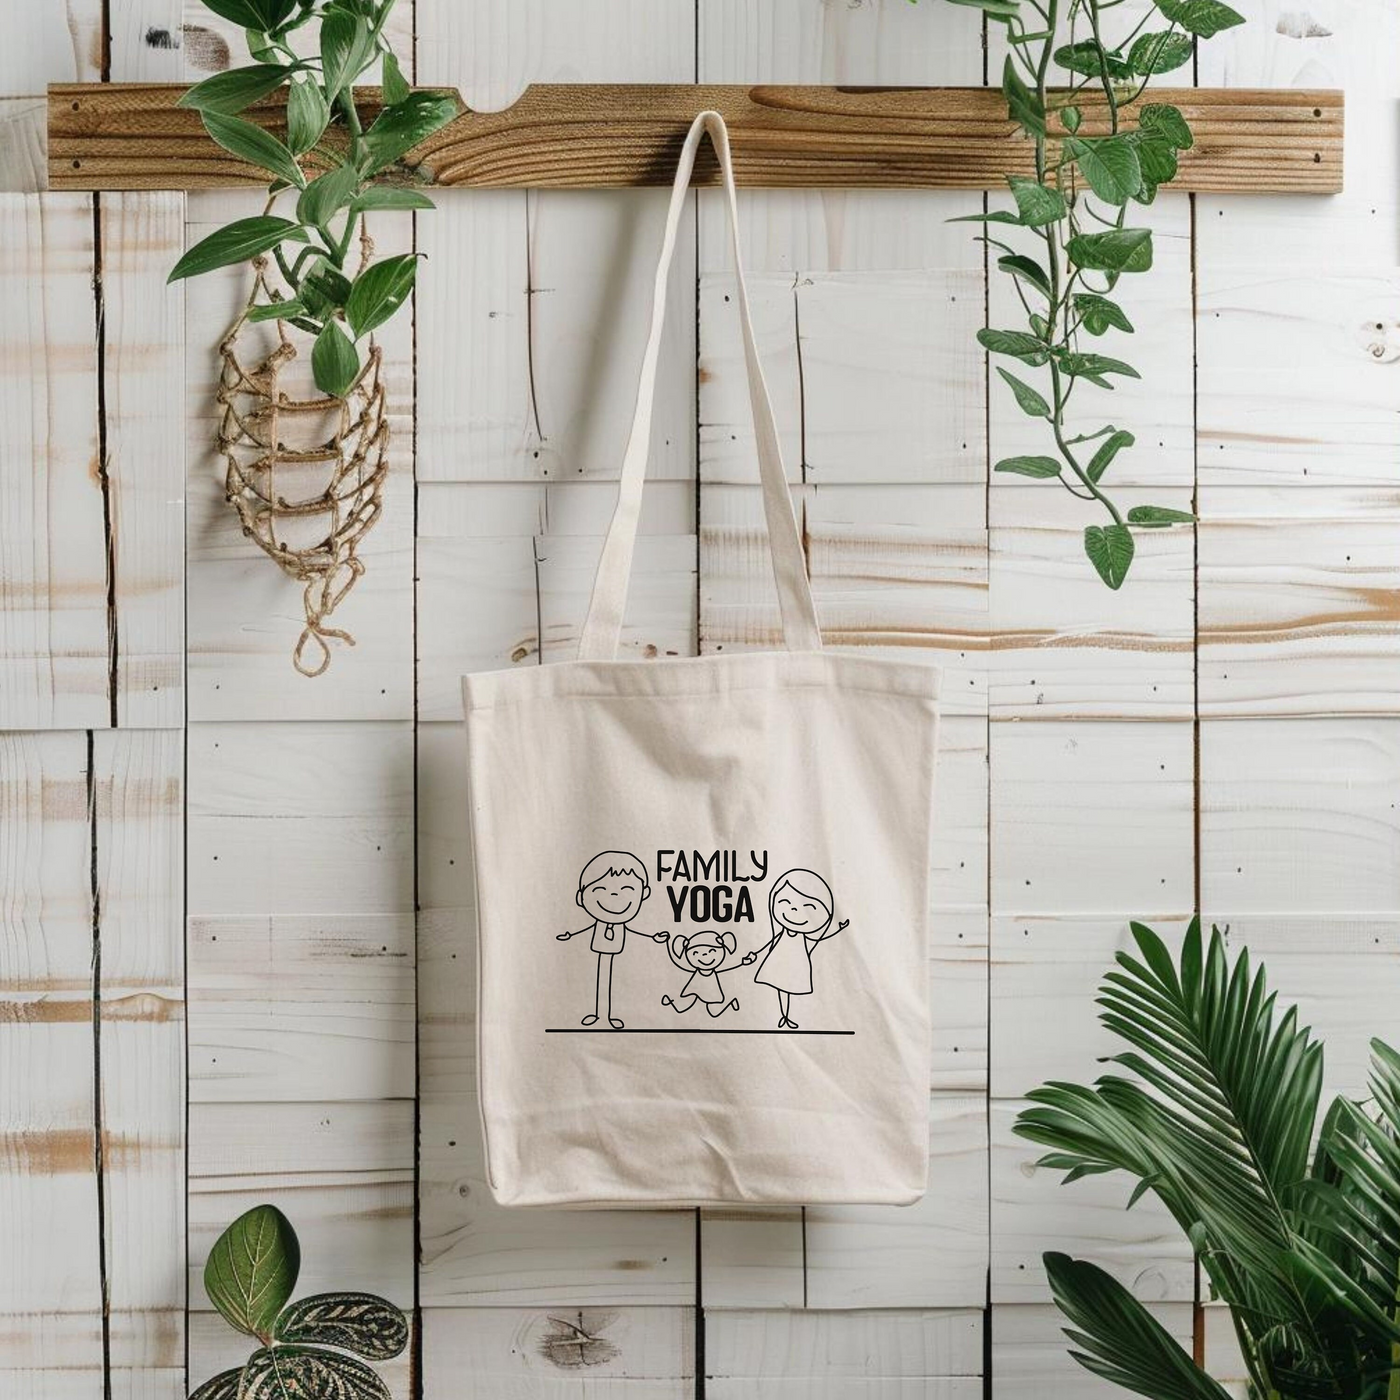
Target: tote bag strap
603,625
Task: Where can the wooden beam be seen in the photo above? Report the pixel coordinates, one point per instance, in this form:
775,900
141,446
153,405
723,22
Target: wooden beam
133,136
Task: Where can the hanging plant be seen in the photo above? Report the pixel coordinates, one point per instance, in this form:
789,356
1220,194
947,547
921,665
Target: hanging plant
303,420
1076,209
309,1348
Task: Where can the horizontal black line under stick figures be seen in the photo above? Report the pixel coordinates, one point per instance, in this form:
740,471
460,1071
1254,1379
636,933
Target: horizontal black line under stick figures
702,955
800,910
611,890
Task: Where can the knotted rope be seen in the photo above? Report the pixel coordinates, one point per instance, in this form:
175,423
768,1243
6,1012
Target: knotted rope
264,468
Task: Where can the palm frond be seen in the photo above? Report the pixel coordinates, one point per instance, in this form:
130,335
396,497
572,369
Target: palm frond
1115,1337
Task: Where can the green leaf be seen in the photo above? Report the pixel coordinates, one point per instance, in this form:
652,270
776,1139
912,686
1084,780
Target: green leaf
1027,348
1030,401
241,240
334,361
251,143
308,1374
997,216
1029,466
235,89
326,195
1160,52
307,115
252,1269
1108,450
1079,365
1028,270
1099,314
389,197
1109,163
396,88
379,291
346,47
1023,106
1163,120
1204,18
1037,204
324,289
1157,160
1117,250
360,1322
398,130
1116,1338
261,15
1159,515
1110,551
275,311
1070,117
1085,57
224,1386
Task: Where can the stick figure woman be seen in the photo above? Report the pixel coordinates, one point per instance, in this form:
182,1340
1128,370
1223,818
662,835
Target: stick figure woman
800,910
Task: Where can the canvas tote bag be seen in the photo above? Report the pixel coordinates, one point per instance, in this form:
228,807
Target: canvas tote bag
701,891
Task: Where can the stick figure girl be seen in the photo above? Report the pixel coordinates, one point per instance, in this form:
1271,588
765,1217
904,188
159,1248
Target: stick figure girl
702,955
800,909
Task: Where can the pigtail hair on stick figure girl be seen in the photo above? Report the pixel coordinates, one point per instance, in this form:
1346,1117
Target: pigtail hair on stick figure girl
800,910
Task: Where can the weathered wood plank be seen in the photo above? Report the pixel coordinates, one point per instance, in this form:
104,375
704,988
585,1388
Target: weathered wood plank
1300,815
143,320
558,1353
1092,817
1299,601
573,135
300,818
289,1008
51,1288
53,589
138,808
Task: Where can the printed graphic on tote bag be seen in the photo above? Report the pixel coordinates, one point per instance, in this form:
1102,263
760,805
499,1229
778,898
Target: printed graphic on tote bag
705,888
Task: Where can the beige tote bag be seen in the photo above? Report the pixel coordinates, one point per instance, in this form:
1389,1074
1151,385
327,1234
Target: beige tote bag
702,891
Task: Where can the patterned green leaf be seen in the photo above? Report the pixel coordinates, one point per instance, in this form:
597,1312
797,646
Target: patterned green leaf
1084,57
252,1269
1110,550
1118,250
379,291
1109,164
1028,270
1026,348
1159,52
241,240
1029,466
1022,104
390,197
334,363
326,195
1159,515
397,130
1108,450
346,47
359,1322
307,115
250,142
224,1386
1099,313
396,88
304,1373
1038,204
1203,18
231,91
1164,120
1030,400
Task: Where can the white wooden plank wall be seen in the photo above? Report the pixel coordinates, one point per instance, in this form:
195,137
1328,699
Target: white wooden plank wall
237,937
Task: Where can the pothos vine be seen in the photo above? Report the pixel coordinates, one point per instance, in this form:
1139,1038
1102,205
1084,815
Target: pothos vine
1091,167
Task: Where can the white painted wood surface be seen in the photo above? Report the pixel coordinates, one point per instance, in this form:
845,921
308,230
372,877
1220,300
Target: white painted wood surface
1224,732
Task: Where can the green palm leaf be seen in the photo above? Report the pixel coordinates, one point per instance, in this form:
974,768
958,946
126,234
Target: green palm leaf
1116,1337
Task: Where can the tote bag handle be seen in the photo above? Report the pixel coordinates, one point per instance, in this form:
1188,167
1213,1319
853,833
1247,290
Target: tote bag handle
603,625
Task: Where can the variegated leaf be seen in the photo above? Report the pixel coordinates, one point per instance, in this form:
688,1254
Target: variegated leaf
224,1386
360,1322
305,1373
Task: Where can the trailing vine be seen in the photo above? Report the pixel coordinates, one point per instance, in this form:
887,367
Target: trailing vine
1098,152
